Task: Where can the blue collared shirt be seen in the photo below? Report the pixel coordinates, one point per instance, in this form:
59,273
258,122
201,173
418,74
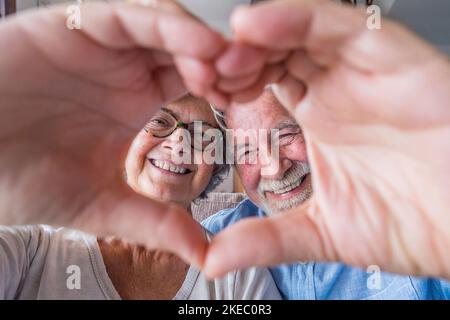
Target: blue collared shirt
315,280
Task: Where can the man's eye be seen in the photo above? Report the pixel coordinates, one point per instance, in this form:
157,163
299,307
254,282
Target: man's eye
288,138
247,155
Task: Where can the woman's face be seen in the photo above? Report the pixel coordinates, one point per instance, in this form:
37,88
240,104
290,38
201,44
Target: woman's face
150,166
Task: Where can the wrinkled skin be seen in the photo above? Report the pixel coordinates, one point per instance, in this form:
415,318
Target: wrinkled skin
72,101
373,106
377,123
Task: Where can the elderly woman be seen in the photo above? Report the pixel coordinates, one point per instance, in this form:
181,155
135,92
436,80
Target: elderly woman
40,262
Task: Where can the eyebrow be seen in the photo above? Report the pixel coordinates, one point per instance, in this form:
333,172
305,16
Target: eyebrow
176,117
289,123
169,111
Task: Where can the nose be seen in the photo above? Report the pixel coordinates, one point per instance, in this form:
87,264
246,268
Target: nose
177,143
275,167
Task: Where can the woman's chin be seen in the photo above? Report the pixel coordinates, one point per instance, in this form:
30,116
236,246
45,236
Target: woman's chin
164,187
163,191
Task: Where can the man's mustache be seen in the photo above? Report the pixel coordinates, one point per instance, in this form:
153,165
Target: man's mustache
294,174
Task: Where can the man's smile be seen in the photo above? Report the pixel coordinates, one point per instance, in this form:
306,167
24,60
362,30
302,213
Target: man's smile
289,191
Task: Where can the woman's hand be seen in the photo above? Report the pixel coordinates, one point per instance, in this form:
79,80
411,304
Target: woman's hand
71,102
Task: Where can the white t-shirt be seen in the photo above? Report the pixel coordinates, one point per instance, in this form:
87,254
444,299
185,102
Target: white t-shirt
41,262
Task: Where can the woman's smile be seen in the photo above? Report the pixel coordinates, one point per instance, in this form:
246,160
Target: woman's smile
168,167
162,165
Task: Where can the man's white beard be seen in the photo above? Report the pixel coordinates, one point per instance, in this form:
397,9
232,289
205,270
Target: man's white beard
294,174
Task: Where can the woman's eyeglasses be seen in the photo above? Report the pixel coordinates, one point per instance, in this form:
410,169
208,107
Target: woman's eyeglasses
164,123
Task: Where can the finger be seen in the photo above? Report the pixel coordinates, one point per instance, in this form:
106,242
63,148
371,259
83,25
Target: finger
241,66
127,25
302,66
289,237
239,84
218,99
333,31
147,222
277,56
189,40
271,74
198,75
289,91
120,26
294,24
130,108
240,60
167,5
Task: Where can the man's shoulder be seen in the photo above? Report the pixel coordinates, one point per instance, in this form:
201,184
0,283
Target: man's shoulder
227,217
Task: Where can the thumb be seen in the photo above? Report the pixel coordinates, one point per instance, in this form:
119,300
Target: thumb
289,237
151,223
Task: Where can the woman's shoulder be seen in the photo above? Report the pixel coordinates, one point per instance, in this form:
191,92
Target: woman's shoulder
36,238
43,262
42,232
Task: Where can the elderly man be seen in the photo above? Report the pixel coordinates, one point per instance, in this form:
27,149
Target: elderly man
377,125
366,101
275,184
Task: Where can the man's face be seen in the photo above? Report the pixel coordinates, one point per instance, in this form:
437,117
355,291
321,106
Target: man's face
275,182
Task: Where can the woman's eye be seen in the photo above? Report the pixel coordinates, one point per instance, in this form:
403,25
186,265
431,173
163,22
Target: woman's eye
158,122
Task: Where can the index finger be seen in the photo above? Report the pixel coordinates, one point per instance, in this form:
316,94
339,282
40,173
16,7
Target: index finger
329,32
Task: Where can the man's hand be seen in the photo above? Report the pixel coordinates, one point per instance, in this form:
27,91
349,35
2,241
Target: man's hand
375,109
71,102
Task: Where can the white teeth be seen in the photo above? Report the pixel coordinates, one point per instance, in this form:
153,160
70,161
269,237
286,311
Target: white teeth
288,188
169,166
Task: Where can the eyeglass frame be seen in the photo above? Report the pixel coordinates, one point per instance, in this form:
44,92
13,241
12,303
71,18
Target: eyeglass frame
183,125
